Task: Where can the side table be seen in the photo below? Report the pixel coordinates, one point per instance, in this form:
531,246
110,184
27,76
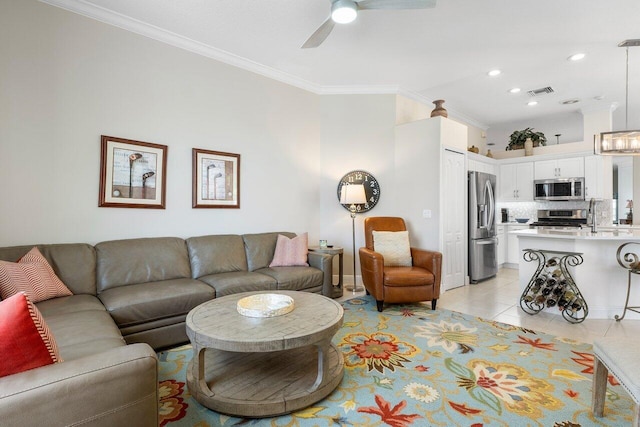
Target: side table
337,287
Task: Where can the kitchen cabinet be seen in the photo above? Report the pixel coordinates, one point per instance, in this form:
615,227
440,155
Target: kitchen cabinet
513,252
502,244
480,166
560,168
516,182
598,177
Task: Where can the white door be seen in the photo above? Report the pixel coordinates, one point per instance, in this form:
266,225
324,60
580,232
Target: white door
454,190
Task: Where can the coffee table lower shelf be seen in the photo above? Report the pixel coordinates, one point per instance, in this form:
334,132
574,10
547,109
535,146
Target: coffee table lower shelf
267,383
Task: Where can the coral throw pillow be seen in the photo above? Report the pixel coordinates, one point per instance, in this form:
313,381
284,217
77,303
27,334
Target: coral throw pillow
32,275
291,252
394,247
25,340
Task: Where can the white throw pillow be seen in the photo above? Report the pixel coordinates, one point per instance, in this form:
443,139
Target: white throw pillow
394,247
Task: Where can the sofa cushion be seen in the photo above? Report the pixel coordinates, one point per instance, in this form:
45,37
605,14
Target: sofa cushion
71,304
295,278
216,254
27,342
260,248
239,281
132,261
83,333
291,252
146,302
32,275
73,263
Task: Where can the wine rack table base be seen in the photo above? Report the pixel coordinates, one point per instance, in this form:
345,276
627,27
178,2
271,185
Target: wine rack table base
553,286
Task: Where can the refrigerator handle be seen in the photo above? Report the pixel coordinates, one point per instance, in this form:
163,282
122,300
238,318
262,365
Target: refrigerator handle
488,241
492,206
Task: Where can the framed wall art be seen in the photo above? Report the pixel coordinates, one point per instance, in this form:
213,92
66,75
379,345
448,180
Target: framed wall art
132,174
216,179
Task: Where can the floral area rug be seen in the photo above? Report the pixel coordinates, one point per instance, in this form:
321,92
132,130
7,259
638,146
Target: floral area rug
410,366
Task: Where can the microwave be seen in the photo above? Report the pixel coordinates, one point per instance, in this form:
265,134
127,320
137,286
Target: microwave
558,189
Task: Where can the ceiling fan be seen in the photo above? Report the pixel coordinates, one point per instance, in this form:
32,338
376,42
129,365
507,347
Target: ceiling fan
345,11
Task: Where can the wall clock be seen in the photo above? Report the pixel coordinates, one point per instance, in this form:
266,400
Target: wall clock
371,188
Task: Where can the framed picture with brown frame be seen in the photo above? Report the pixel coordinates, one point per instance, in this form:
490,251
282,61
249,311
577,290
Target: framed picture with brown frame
133,174
216,179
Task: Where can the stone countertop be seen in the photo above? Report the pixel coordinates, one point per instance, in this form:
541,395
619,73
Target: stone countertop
608,233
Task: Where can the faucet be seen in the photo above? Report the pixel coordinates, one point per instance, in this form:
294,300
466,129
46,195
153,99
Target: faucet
593,215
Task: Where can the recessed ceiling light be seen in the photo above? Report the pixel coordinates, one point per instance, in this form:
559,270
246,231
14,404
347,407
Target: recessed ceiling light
576,57
532,103
494,73
514,90
570,101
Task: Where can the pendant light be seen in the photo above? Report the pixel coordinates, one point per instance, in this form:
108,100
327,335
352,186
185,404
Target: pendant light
624,142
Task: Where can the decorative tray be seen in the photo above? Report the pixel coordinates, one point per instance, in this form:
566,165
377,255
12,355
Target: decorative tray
265,305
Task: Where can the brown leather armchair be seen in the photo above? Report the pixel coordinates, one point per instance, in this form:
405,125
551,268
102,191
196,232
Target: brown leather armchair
419,282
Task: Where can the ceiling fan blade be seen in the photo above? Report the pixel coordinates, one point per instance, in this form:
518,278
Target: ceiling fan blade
396,4
320,34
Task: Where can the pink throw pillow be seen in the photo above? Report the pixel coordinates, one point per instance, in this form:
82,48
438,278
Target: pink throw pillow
27,342
32,275
291,252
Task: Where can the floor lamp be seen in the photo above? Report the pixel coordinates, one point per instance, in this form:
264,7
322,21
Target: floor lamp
353,195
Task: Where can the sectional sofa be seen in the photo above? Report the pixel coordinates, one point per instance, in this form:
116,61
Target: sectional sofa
130,298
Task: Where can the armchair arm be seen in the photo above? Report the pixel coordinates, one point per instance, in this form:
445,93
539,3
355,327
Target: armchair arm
323,262
115,387
372,270
431,261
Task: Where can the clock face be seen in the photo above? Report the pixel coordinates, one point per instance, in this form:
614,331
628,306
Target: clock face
371,188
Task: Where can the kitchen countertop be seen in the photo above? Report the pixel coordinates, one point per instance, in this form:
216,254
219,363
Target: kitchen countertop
604,233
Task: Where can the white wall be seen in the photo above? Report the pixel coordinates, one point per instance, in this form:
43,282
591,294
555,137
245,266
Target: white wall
357,132
65,80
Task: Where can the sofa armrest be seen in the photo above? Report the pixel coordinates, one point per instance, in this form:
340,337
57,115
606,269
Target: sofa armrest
115,387
432,261
323,262
372,270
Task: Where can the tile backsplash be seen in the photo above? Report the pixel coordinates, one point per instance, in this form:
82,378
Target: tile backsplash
530,209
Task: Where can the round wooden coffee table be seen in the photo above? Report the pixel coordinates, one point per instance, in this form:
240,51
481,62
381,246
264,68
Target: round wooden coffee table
264,366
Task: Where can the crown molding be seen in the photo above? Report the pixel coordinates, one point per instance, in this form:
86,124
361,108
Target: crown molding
81,7
84,8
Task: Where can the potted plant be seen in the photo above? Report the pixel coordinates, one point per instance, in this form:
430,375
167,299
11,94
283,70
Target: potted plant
518,137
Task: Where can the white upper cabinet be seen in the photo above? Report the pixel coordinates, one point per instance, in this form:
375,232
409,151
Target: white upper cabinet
516,182
598,177
560,168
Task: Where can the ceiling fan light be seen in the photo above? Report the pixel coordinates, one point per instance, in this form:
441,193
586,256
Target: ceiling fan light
344,11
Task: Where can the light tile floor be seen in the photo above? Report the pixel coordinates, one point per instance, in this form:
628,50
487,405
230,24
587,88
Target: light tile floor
497,299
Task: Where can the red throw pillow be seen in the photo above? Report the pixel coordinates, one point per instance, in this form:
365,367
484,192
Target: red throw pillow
291,252
32,275
25,339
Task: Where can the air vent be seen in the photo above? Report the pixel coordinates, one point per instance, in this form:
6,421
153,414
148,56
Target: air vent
540,91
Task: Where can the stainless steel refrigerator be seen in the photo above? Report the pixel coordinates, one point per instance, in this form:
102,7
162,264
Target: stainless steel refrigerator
483,243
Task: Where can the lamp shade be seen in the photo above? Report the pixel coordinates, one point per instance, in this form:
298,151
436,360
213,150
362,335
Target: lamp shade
352,194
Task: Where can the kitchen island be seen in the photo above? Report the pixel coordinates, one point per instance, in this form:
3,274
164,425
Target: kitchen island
601,280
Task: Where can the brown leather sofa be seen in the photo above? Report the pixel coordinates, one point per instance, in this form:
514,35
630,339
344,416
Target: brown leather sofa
419,282
137,292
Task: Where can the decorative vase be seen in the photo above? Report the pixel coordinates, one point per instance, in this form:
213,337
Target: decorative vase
439,110
528,147
489,154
